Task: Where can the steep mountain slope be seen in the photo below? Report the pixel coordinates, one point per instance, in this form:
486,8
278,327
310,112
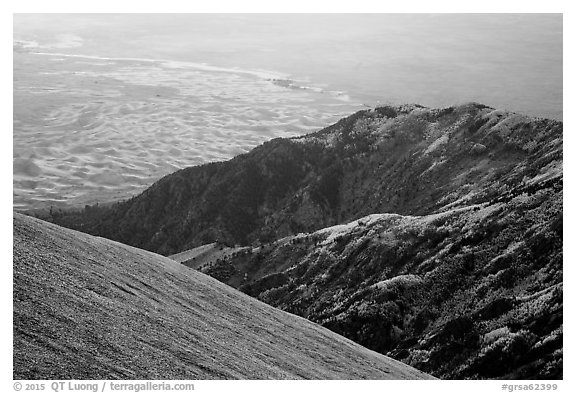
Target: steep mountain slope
90,308
404,160
471,292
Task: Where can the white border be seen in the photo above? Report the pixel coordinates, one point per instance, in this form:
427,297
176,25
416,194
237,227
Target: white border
261,6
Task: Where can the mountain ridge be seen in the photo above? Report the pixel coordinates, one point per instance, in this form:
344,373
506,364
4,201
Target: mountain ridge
406,160
473,292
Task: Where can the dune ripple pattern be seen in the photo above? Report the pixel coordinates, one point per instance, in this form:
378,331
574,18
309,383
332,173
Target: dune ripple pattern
90,129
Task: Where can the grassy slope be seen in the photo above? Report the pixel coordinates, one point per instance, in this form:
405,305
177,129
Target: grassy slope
90,308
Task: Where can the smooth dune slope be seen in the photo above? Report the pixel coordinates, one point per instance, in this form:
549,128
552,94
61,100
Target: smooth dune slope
90,308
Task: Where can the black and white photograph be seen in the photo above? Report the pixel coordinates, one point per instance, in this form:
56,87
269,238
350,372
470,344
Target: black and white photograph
285,196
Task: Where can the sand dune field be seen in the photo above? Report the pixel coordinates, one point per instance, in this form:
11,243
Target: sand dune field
90,129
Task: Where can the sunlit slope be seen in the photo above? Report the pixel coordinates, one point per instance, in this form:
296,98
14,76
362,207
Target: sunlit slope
90,308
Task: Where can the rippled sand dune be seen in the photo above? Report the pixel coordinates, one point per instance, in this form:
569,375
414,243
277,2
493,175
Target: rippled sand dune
90,129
